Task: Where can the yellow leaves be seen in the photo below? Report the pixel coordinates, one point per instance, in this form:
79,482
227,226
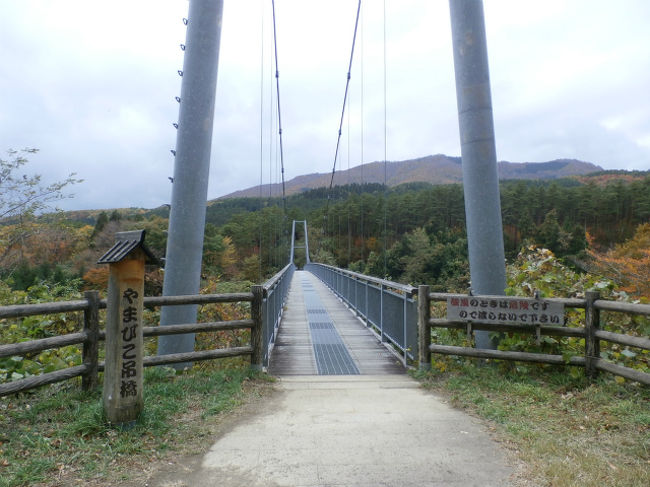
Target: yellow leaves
96,278
39,243
372,244
219,255
441,366
228,256
628,263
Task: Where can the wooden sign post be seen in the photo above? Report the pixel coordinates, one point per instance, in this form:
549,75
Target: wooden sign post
122,394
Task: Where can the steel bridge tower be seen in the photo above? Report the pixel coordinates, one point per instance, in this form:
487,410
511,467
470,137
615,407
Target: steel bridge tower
295,246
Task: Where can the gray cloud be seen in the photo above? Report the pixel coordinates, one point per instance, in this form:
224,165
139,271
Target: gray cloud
92,85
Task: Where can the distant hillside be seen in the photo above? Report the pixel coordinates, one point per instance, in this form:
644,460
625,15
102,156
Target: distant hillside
437,169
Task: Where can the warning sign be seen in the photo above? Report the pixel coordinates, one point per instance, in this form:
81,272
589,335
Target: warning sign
505,309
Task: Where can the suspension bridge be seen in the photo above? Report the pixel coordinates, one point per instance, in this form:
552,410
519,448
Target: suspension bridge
320,335
345,412
351,416
339,342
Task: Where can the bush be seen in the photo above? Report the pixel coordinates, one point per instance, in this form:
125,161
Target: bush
36,327
538,270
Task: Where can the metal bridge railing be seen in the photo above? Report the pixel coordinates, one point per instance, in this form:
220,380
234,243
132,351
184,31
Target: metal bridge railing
275,294
388,308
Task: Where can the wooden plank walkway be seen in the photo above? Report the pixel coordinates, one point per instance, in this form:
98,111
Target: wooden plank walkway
293,353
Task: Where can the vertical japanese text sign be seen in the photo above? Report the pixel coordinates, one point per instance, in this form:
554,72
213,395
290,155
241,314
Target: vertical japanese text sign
122,394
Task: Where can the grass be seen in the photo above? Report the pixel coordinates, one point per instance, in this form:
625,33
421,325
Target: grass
58,435
569,432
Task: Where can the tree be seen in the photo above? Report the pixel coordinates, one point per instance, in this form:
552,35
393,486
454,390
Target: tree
219,253
115,216
628,264
102,220
23,195
417,258
21,198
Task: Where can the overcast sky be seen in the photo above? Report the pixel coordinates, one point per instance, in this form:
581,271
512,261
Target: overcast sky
92,83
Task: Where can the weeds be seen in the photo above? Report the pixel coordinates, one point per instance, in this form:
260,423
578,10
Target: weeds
568,431
60,432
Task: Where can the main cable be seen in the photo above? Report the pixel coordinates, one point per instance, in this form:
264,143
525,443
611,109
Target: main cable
345,99
277,84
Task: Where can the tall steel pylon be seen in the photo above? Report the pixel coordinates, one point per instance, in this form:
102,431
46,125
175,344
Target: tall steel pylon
191,168
293,242
479,160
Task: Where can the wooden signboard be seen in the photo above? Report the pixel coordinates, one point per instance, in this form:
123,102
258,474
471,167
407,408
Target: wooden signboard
122,394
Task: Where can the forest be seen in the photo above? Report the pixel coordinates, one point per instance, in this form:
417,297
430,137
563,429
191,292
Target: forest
413,233
561,238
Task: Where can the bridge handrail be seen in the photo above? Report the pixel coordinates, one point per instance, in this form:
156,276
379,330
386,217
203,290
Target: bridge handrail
387,308
405,288
275,294
273,281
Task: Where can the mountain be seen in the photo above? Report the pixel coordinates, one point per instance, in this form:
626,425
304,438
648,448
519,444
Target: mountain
436,169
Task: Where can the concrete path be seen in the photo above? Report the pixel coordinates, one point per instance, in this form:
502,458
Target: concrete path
361,431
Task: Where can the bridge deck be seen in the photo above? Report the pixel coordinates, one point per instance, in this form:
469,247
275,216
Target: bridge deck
319,335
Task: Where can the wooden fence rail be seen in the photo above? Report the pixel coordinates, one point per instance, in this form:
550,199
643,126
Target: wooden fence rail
590,332
92,335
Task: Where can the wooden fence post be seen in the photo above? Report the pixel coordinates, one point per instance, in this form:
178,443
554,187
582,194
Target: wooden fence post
256,329
90,347
424,329
592,344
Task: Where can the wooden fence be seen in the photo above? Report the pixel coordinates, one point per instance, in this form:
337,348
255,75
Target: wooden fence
590,332
91,335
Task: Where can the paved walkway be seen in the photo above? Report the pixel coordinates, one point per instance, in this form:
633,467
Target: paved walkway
354,431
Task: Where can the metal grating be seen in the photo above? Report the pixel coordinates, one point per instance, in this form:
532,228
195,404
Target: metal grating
316,311
320,326
332,356
334,359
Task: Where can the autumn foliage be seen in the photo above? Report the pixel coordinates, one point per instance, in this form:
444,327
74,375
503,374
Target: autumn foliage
628,263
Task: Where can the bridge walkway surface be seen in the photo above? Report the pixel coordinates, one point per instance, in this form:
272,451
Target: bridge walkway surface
352,420
319,335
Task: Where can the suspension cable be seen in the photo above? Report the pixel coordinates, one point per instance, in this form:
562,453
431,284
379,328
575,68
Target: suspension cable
345,99
385,159
261,135
363,238
277,84
348,207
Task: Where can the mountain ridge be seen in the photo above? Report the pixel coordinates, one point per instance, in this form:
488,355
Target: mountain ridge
433,169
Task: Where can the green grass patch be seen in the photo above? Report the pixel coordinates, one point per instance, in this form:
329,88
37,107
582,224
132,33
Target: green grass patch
60,432
568,431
